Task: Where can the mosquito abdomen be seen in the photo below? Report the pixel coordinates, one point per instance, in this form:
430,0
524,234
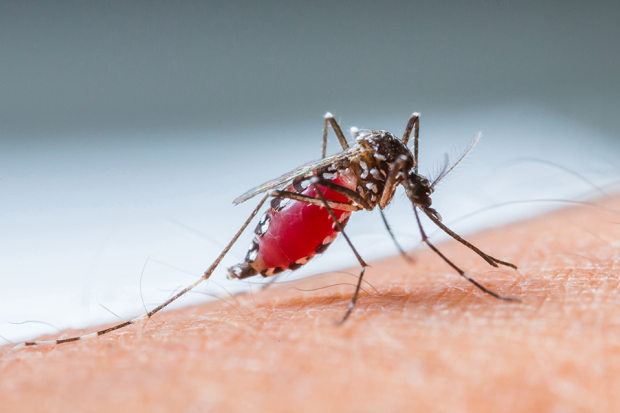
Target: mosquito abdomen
291,232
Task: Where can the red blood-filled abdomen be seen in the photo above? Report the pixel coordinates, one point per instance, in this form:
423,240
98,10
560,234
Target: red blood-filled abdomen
299,231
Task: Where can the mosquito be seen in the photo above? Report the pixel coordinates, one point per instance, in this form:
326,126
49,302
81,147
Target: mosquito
311,205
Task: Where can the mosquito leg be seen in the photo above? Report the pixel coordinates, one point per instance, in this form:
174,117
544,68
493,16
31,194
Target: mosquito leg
385,196
329,119
413,123
359,258
314,201
457,269
390,181
491,260
204,277
329,205
343,190
361,201
400,249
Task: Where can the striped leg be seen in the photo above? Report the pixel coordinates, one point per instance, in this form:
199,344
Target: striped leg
205,276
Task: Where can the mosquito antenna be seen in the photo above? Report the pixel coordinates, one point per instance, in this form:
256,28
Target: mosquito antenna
444,167
446,170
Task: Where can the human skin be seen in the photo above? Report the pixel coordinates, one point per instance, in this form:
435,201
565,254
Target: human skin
424,340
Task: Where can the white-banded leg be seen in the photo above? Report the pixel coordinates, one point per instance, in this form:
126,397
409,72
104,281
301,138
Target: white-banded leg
204,277
329,120
457,269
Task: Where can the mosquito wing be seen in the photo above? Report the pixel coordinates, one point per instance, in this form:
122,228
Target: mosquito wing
285,179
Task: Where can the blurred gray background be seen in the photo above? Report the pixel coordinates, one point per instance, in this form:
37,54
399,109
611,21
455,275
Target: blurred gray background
72,67
127,129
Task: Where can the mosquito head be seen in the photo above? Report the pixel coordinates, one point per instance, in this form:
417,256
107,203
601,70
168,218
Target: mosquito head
419,190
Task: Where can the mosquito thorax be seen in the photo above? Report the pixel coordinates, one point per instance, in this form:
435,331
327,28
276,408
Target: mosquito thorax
385,146
381,150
